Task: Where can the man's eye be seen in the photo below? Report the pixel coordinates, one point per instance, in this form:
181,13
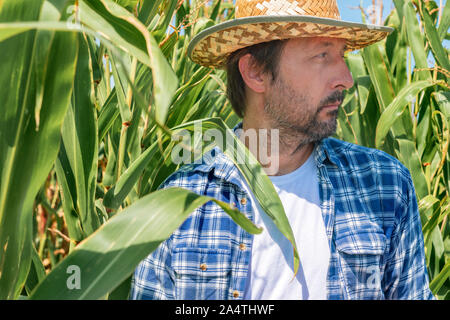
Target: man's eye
322,55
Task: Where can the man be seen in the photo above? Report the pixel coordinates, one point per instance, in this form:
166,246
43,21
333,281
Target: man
353,210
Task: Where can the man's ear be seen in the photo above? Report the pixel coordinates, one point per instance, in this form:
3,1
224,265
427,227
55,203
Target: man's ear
252,75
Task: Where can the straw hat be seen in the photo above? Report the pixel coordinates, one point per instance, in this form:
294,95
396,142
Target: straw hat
266,20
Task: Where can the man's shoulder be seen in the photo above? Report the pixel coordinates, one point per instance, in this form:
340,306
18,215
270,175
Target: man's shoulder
350,153
361,161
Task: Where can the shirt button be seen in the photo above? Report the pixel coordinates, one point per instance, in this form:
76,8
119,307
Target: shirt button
235,294
244,201
203,267
242,246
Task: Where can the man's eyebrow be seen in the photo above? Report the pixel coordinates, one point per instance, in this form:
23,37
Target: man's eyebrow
328,44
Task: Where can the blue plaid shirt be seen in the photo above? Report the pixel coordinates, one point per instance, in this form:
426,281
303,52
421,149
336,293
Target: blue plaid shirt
371,217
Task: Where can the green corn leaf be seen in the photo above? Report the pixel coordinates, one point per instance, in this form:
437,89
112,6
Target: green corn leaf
110,174
121,85
416,41
435,251
37,271
399,7
117,194
169,9
108,114
363,85
216,10
110,255
430,208
117,25
435,42
395,109
148,11
379,74
443,100
427,206
441,278
122,291
424,141
165,82
409,156
128,4
27,151
67,184
134,136
349,124
399,60
356,64
127,32
444,24
79,137
116,30
10,29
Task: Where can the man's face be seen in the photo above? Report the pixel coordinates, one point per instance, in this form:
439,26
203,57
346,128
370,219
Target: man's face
308,90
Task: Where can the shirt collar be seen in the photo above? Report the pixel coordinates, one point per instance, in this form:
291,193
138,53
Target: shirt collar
326,150
223,167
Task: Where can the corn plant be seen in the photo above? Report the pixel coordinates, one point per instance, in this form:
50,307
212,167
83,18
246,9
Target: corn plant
400,104
94,93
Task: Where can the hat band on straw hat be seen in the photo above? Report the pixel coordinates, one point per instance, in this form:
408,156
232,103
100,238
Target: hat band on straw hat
266,20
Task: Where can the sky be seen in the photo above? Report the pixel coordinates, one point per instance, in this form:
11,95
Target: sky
354,15
349,13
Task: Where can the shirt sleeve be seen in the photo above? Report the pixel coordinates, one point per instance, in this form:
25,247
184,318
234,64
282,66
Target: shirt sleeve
406,274
151,279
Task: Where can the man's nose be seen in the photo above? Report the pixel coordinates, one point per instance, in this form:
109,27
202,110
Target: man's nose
344,80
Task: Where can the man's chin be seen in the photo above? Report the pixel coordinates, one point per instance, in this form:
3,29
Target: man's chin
324,130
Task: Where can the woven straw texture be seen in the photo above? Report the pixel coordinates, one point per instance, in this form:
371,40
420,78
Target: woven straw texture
252,8
213,49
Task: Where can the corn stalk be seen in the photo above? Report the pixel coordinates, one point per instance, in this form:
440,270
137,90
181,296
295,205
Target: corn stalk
401,105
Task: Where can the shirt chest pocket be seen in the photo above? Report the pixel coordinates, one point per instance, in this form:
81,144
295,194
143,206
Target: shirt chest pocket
360,256
201,273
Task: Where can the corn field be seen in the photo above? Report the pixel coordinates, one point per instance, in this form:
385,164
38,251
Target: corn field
93,93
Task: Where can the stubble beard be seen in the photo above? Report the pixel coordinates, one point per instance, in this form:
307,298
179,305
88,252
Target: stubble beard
298,121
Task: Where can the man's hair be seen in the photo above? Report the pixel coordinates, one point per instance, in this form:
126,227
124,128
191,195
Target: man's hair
265,55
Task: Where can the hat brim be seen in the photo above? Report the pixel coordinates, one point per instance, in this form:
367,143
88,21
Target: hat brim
212,46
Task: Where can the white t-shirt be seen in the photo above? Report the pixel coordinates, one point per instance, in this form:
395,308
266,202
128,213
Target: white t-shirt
271,269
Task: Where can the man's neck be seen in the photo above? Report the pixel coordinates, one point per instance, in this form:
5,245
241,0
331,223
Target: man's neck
291,151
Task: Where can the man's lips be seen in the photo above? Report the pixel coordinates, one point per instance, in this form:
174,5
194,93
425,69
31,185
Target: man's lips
332,106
